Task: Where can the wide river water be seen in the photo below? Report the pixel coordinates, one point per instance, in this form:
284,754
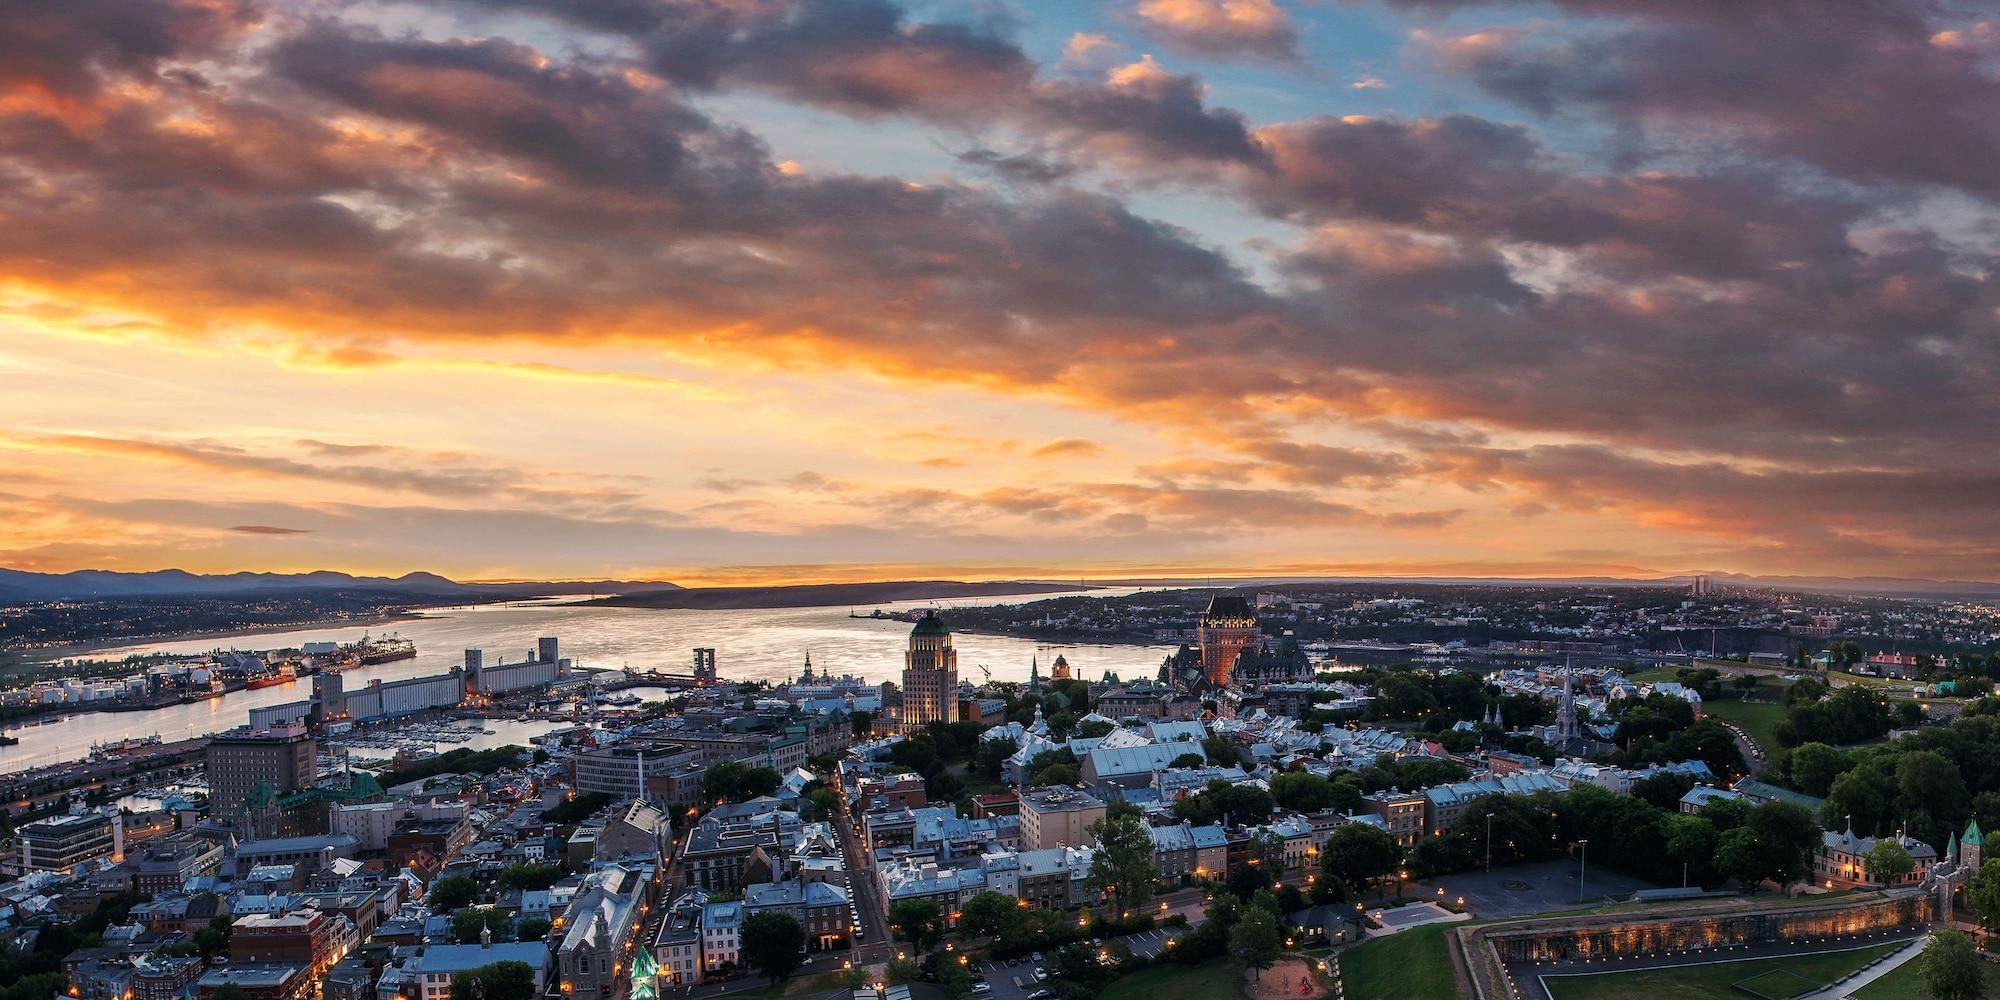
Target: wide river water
761,644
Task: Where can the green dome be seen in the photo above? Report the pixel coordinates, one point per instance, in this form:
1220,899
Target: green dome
930,624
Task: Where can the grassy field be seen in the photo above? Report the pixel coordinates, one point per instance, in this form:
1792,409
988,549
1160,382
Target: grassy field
1758,718
1703,981
1413,965
1906,984
1217,980
1655,675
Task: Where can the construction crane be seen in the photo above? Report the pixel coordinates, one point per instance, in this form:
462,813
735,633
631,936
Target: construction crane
987,671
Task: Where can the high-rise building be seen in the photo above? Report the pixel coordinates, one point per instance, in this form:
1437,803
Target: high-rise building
241,761
930,675
1222,632
704,664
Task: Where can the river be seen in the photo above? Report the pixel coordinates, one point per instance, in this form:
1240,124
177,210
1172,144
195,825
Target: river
758,644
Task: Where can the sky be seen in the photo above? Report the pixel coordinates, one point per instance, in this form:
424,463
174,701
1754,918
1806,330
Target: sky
747,291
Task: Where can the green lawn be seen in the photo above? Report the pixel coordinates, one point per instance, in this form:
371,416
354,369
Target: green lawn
1906,984
1217,980
1413,965
1695,982
1758,718
1655,675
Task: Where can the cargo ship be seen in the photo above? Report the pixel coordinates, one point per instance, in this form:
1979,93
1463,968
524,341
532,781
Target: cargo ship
283,674
387,649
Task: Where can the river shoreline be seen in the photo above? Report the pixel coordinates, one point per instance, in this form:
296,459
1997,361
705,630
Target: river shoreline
83,652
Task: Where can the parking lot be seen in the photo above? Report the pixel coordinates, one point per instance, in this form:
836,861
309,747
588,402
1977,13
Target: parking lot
1015,982
1519,890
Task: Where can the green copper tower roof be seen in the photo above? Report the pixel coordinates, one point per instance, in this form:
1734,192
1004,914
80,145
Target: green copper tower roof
930,624
1972,835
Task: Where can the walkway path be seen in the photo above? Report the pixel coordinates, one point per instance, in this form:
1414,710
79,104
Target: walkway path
1888,964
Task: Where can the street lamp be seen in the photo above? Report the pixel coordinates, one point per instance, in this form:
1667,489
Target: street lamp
1489,843
1583,855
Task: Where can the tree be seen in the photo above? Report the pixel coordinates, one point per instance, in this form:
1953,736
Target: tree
531,929
467,924
860,722
231,991
995,915
528,876
954,978
736,781
1787,835
1189,760
1123,863
1951,968
917,921
1737,856
774,944
1815,766
1302,791
1860,798
495,981
453,892
1982,894
1056,774
1255,941
1888,861
1357,854
1691,840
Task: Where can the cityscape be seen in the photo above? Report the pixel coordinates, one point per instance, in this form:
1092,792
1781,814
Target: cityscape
999,499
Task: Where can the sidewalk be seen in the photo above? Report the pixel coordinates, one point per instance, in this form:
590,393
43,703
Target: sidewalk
1881,968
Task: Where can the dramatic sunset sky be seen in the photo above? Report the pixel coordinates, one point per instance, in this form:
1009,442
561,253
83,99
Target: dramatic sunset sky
734,290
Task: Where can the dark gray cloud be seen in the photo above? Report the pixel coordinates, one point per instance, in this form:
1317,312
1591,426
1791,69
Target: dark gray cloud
1873,90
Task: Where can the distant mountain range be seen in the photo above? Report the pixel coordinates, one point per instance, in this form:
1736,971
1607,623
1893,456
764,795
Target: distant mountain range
1855,586
20,585
819,595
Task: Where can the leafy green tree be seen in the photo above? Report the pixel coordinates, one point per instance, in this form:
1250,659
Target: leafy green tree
531,929
1814,767
1951,967
1302,791
1255,941
1692,840
495,981
1189,760
231,991
825,802
1123,863
1888,861
1788,835
1056,774
1982,894
735,781
860,722
954,978
1357,854
530,877
453,892
467,923
1933,794
1738,856
917,921
1861,798
995,915
773,944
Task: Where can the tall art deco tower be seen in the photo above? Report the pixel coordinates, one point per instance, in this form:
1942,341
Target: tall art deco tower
930,675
